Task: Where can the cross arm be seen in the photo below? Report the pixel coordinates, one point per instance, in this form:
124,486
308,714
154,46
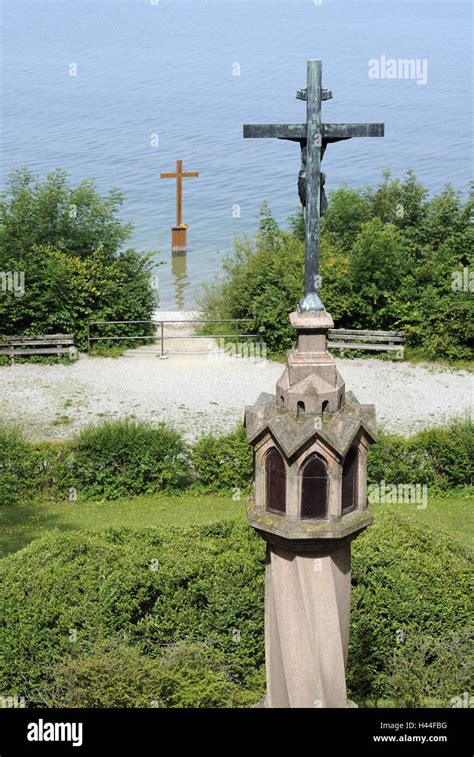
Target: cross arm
331,132
190,174
279,131
346,131
168,175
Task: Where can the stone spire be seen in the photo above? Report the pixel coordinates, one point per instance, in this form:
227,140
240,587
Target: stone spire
311,382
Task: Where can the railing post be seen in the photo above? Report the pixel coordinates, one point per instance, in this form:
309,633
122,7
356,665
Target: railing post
88,339
236,340
162,341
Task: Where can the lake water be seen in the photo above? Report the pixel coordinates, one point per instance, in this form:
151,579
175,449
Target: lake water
169,68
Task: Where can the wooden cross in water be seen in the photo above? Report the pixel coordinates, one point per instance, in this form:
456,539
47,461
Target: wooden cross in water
313,137
179,175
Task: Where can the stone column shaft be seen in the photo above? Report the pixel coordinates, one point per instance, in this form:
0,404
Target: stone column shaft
307,608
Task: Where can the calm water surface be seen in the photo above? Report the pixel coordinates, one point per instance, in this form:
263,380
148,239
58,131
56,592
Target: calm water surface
168,69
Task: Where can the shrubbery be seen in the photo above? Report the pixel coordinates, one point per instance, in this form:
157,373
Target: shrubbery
183,610
144,590
223,463
425,667
110,460
409,583
16,463
121,458
442,458
389,260
112,674
68,241
129,457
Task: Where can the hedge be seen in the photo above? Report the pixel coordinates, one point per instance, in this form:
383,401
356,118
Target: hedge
223,463
109,460
169,602
442,458
129,457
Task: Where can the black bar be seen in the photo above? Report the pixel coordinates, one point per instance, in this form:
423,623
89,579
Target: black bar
146,731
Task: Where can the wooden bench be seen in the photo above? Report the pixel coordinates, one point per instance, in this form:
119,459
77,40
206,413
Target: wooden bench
44,344
377,341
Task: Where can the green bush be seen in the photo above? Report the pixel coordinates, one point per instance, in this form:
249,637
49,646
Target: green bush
451,451
389,260
126,457
110,460
114,675
65,596
223,463
147,589
442,458
262,282
67,241
16,465
425,667
28,470
409,582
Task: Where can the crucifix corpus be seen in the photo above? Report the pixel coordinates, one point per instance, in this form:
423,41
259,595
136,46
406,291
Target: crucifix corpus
313,137
310,441
178,232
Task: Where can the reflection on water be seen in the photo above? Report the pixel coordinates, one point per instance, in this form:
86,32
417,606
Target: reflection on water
180,278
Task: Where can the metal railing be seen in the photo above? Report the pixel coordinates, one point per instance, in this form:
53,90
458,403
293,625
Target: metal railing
156,322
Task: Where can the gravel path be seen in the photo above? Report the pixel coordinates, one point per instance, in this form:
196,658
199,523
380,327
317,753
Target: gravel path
197,394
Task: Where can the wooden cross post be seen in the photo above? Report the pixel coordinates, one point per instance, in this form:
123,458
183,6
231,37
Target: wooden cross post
178,232
313,137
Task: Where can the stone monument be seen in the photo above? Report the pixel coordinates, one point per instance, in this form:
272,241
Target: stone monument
310,444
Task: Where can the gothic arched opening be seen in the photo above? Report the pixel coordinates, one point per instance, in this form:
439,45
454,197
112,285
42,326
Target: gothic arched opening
275,481
314,488
349,480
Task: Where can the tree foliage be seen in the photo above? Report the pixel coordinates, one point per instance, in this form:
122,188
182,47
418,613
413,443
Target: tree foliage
391,259
67,242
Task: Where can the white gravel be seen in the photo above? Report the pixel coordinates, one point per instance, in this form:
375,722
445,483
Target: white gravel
196,394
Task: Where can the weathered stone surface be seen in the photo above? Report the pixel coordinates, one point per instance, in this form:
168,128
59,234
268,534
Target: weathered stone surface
297,535
277,421
310,382
307,627
315,321
337,430
307,597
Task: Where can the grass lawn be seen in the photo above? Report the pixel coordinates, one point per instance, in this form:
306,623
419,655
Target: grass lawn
21,523
454,514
